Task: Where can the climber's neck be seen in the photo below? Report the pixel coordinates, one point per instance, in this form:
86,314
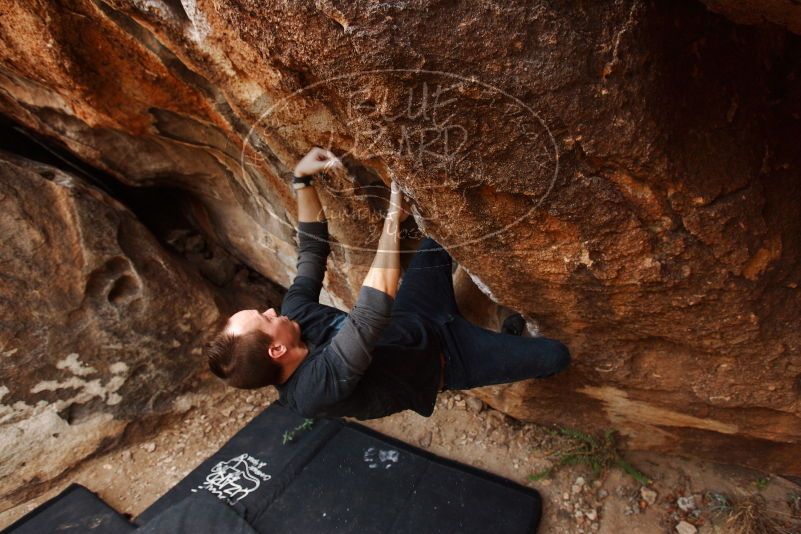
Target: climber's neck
292,360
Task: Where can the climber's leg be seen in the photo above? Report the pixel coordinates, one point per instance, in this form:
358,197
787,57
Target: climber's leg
427,285
478,357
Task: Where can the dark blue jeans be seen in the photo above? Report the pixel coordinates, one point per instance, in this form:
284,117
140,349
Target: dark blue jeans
474,356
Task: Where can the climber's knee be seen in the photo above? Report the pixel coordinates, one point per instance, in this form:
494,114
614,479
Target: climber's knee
559,358
562,357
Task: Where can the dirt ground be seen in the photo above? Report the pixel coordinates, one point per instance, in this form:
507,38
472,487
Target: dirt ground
461,428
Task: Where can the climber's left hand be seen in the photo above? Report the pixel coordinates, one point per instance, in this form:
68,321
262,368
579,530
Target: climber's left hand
398,205
317,160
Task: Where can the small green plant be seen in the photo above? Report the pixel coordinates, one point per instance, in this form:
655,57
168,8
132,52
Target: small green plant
762,483
597,453
289,435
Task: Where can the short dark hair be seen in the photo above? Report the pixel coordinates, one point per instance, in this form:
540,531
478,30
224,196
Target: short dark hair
242,361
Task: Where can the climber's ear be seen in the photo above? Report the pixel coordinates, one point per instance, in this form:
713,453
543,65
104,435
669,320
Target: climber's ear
276,350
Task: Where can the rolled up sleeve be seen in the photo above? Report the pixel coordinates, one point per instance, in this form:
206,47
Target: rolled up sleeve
334,375
355,342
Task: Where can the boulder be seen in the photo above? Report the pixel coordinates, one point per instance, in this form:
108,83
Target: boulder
100,327
626,176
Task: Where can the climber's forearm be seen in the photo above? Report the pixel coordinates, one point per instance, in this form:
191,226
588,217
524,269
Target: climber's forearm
309,207
314,162
385,272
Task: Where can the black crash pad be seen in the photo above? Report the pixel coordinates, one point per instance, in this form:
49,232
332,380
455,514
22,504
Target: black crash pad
74,510
343,477
333,477
199,514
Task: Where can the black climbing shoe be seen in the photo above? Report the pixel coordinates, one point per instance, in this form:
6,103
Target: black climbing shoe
514,325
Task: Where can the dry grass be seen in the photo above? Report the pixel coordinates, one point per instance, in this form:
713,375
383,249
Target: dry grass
794,502
750,515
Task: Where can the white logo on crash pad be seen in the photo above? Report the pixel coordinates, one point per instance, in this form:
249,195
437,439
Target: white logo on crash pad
375,458
233,480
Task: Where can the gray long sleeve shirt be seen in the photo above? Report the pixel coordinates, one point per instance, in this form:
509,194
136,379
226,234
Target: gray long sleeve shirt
366,364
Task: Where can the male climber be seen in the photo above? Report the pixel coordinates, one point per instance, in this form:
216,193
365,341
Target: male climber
395,349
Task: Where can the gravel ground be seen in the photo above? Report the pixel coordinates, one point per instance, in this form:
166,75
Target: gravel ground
680,499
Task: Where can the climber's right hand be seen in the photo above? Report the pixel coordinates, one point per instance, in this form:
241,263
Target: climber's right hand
315,161
398,206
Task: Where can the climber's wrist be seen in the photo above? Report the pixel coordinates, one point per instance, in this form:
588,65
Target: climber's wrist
302,181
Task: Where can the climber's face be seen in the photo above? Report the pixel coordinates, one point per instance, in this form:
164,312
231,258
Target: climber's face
280,328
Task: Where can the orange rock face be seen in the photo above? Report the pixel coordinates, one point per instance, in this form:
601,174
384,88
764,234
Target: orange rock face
627,178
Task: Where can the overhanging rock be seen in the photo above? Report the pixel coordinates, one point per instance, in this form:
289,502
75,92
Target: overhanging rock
627,176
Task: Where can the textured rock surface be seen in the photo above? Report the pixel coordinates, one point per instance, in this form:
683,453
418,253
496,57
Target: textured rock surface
99,325
783,13
624,174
